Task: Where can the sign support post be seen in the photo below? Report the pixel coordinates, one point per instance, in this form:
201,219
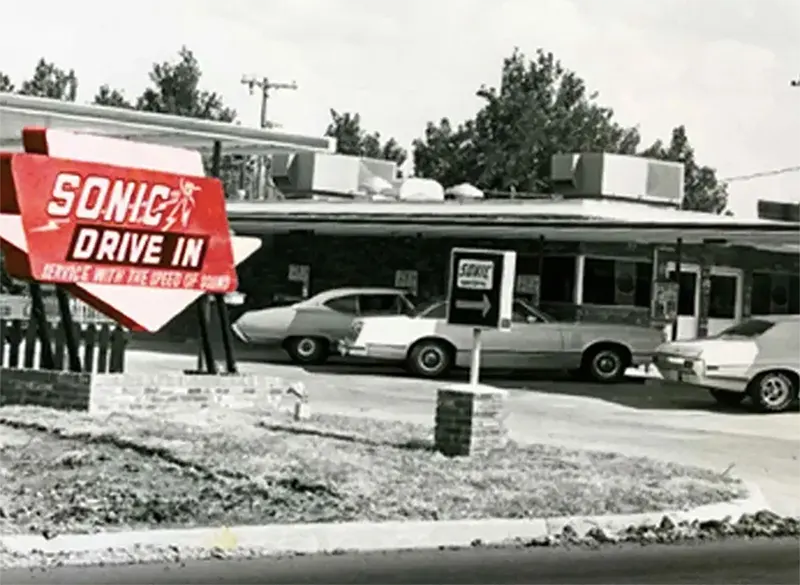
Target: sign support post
475,361
480,295
73,351
222,309
206,351
42,326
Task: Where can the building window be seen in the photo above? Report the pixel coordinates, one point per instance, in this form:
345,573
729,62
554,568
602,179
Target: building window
617,282
558,279
722,297
687,296
775,294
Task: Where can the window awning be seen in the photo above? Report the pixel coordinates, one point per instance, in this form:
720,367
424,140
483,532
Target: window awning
17,112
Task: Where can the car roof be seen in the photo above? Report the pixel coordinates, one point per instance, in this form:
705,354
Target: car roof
347,291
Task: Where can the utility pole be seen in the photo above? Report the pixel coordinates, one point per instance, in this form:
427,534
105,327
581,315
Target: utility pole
265,86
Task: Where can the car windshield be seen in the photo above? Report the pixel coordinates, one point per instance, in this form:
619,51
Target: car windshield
426,307
750,328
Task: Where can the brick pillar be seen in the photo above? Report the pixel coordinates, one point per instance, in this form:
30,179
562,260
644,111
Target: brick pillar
470,419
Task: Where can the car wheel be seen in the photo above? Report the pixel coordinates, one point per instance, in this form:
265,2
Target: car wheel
606,364
728,398
430,359
773,391
307,350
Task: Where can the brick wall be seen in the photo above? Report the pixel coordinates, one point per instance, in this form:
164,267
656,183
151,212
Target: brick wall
142,392
62,390
100,393
470,420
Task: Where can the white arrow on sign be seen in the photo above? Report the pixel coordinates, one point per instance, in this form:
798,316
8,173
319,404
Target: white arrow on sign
484,305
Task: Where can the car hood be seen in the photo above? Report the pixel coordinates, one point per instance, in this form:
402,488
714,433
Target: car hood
715,351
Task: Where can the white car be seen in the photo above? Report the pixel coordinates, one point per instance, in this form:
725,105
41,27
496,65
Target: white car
429,347
758,358
308,330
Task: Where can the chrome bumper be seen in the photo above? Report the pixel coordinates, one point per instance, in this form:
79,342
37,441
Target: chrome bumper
694,372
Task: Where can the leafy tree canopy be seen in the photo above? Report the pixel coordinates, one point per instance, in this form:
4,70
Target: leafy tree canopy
48,81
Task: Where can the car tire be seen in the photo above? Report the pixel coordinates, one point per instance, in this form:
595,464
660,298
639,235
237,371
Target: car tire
773,391
307,351
605,364
728,398
430,358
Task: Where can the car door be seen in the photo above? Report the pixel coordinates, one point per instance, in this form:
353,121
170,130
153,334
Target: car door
532,342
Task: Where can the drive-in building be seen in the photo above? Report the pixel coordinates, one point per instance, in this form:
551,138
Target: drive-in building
601,250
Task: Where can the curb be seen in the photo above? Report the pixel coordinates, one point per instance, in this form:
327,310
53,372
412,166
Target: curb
362,536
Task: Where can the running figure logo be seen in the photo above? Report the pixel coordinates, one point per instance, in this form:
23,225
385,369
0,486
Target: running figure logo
181,204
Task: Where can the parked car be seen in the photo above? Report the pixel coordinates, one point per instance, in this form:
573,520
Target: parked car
758,358
308,330
429,347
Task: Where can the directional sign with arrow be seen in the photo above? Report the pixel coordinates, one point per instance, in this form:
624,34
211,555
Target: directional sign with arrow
484,305
481,288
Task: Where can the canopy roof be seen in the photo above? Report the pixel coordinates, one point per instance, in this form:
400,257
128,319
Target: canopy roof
567,219
17,112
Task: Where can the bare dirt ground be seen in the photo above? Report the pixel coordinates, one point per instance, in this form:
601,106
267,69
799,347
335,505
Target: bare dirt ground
70,472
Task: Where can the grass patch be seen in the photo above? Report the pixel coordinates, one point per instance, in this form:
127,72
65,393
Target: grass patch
72,472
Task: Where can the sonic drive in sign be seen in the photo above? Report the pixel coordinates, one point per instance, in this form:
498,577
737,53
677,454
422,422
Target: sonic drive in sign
133,229
103,224
481,288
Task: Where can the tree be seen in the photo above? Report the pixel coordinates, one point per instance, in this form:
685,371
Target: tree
50,81
111,97
352,139
176,90
5,83
702,190
540,109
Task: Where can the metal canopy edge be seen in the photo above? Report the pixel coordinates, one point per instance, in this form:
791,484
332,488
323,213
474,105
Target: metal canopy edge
17,111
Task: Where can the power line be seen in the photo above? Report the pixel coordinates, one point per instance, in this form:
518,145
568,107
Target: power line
763,174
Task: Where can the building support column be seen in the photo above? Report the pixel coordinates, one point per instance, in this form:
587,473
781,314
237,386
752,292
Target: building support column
539,272
676,275
580,263
747,292
705,291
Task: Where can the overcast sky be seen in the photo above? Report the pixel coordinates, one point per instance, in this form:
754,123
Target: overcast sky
722,67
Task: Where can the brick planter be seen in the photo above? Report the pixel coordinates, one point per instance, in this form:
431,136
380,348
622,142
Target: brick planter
99,393
470,420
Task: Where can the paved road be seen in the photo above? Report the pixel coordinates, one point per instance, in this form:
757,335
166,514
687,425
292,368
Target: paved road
774,562
666,422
